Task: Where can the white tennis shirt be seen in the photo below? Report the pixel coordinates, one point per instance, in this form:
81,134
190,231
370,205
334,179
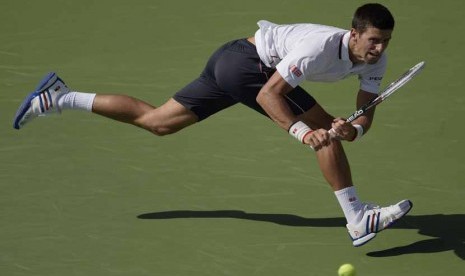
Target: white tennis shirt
314,52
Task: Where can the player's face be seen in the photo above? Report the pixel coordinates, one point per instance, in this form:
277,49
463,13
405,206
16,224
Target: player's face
367,47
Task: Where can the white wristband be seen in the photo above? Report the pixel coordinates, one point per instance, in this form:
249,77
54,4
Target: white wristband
298,130
359,129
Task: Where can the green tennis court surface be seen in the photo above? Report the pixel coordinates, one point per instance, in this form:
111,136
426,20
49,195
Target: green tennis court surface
234,195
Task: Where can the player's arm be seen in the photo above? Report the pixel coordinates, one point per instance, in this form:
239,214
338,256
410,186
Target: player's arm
366,119
347,131
271,99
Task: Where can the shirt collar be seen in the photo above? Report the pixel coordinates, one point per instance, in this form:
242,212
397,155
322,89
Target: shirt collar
344,47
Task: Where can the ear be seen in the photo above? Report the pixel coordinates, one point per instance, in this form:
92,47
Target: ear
354,34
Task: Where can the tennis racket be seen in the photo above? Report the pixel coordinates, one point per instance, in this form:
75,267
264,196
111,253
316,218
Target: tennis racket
388,91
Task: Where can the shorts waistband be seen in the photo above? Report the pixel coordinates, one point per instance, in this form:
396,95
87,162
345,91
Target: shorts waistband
242,45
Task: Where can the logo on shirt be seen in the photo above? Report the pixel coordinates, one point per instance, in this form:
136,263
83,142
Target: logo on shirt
296,71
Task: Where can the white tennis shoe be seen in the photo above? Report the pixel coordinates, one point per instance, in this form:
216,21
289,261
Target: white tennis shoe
376,219
42,101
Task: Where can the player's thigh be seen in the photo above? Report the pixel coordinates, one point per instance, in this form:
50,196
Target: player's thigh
203,97
307,109
316,117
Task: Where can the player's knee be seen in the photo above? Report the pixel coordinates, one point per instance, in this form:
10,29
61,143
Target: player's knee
157,128
162,130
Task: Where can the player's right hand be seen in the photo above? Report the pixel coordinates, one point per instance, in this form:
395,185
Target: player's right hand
343,130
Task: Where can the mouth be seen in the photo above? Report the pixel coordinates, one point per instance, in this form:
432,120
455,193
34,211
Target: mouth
372,57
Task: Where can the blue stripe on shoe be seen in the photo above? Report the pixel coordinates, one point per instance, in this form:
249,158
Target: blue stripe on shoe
42,107
44,81
377,221
49,100
26,104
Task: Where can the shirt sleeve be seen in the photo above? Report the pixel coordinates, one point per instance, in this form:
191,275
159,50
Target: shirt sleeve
370,80
294,66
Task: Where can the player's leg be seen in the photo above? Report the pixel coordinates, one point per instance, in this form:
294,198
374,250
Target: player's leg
334,165
52,95
166,119
332,158
195,102
363,220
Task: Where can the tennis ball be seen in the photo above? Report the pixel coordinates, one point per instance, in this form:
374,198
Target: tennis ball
346,270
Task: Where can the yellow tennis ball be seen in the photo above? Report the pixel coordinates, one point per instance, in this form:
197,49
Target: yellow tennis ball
346,270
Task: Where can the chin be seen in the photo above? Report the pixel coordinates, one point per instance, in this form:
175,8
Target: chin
372,60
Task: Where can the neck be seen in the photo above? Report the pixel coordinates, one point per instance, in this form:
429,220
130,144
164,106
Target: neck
353,57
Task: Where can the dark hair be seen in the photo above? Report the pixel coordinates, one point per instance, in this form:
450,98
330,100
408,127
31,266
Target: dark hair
372,15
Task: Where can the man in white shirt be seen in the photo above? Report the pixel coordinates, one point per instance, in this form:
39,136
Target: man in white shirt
264,72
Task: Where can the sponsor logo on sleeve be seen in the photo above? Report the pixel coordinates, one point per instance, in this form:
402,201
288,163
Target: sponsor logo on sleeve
296,71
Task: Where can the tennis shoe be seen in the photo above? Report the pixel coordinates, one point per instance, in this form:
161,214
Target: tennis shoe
41,102
376,219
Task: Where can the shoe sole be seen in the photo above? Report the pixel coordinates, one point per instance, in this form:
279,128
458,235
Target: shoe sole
361,241
26,104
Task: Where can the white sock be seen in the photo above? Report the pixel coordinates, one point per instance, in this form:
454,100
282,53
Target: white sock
350,204
76,100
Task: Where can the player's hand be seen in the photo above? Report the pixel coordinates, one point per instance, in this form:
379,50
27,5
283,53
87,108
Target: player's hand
343,130
318,139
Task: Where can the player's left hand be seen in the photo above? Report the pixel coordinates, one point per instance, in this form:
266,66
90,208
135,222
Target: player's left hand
318,139
343,130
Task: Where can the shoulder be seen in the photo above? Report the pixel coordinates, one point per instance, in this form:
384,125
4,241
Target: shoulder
323,38
321,47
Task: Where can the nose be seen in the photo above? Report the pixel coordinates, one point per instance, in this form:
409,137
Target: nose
380,47
376,48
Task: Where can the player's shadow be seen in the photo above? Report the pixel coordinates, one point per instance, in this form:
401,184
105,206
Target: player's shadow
447,232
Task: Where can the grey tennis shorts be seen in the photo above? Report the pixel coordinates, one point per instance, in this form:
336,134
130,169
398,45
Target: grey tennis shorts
234,74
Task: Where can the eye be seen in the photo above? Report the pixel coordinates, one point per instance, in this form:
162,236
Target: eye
379,40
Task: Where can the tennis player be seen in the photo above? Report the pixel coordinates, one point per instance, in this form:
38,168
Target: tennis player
263,72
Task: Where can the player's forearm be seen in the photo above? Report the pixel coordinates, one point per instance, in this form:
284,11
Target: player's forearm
271,99
277,108
366,119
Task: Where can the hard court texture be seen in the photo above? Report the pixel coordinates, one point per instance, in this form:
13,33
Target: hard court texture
233,195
